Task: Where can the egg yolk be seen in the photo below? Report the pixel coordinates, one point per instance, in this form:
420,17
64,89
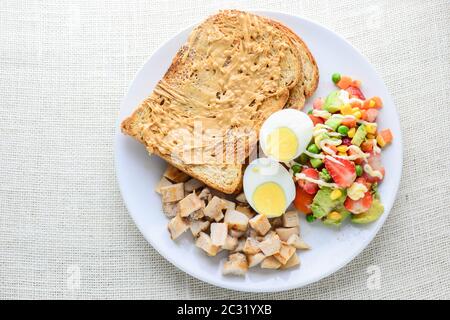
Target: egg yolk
269,199
282,144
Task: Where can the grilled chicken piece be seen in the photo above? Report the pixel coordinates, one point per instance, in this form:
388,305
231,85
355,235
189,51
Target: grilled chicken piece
170,209
290,219
255,259
245,210
175,175
297,242
235,265
261,224
162,183
190,204
270,263
198,226
240,245
172,193
214,209
177,226
229,205
292,262
241,198
205,195
285,253
236,233
236,220
204,242
285,233
231,243
271,245
251,246
192,185
219,232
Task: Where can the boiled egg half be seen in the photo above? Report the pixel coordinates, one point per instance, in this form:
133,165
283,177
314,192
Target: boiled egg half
268,187
286,134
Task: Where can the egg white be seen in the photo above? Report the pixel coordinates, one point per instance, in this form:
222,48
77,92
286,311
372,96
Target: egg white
299,122
264,170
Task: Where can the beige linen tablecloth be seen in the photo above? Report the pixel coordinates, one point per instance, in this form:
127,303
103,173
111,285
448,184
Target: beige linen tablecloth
64,67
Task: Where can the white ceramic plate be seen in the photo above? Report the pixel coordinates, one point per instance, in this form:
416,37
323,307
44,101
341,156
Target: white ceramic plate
137,173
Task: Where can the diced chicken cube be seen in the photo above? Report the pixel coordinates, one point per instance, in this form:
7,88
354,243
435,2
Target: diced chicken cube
285,233
164,182
236,233
270,263
270,234
290,219
292,262
172,193
241,198
190,204
214,209
261,224
229,205
236,220
271,245
198,214
235,265
251,246
175,175
285,253
255,259
204,242
297,242
240,246
245,210
276,222
231,243
177,226
192,185
219,232
198,226
205,195
170,209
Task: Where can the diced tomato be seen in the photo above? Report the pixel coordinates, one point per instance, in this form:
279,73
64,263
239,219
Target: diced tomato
349,122
359,206
315,120
309,187
318,103
303,200
345,82
374,102
355,92
356,104
356,83
374,161
370,115
364,181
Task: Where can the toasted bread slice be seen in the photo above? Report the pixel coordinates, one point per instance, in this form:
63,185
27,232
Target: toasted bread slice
235,70
310,78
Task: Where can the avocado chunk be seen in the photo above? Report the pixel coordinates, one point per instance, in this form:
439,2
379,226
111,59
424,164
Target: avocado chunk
333,123
360,135
336,220
320,137
322,204
375,211
333,103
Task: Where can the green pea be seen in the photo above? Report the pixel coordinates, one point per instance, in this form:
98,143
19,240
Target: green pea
310,218
310,112
316,162
325,175
313,148
343,130
359,170
296,168
336,77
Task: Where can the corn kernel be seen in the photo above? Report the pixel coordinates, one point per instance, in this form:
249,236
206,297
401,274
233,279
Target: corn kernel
381,141
342,148
357,114
334,216
370,136
346,109
371,128
371,103
355,109
335,194
351,132
342,154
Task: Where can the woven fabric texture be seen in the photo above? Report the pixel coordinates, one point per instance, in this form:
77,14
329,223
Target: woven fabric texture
64,67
